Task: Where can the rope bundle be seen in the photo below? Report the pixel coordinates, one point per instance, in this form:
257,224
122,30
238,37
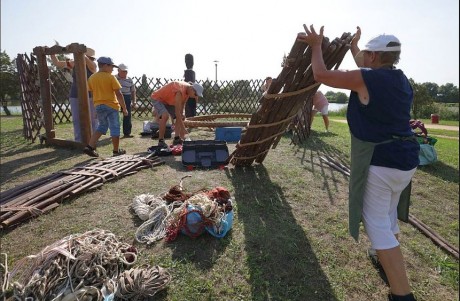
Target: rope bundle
74,268
140,283
144,204
154,228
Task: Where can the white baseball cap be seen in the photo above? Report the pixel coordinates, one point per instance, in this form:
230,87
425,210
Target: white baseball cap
381,42
122,67
198,88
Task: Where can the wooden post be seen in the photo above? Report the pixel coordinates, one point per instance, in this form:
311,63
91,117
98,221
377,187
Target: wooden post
82,88
45,91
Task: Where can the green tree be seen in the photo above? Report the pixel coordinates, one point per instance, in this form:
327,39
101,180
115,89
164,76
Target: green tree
448,93
336,97
10,87
432,89
423,103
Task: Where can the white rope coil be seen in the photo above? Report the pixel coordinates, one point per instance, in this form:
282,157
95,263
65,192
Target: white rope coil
144,204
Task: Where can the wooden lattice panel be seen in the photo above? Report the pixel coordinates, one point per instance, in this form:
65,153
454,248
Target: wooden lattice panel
32,112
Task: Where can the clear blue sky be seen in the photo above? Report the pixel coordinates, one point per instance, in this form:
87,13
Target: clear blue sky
247,37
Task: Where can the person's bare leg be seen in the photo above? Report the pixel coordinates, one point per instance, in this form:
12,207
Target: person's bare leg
312,116
94,139
326,122
162,125
392,262
116,143
180,130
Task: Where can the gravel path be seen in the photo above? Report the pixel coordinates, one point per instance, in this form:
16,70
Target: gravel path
427,125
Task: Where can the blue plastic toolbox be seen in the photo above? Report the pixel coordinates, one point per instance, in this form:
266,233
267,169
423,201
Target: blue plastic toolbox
228,134
204,153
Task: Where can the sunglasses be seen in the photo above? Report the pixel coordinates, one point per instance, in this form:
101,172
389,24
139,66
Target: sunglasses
91,58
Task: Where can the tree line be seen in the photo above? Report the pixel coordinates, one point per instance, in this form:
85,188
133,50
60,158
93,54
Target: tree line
425,94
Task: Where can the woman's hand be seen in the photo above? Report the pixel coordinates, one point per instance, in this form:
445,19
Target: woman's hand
310,36
357,36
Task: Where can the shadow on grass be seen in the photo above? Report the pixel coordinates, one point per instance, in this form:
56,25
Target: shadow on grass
29,157
203,257
310,153
442,171
281,262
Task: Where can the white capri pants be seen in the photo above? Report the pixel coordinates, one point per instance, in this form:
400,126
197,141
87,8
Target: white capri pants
380,207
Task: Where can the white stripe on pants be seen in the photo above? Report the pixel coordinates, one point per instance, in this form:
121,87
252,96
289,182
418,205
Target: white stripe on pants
380,208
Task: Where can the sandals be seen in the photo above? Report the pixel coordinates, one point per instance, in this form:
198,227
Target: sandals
90,151
119,152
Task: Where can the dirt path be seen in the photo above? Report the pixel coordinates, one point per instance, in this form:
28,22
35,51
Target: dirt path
428,126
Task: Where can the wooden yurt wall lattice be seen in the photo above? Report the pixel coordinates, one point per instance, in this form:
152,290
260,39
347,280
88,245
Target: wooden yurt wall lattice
52,89
32,113
289,96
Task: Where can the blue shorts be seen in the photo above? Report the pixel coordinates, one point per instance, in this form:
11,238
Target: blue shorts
108,119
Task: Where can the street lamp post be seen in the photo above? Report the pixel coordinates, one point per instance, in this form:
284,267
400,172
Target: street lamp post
215,62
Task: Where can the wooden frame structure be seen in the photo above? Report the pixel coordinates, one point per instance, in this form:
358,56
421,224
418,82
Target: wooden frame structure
78,51
289,95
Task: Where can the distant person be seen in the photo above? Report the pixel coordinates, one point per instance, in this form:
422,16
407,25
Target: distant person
128,89
189,76
73,95
384,150
320,104
169,101
107,99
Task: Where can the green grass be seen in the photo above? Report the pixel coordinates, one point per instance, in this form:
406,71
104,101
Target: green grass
289,239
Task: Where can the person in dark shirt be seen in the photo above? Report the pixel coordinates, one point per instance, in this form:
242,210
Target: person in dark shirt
384,152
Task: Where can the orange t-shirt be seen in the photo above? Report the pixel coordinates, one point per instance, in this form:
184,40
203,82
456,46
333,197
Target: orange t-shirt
167,93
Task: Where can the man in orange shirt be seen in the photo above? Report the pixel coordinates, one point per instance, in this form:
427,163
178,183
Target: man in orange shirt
170,100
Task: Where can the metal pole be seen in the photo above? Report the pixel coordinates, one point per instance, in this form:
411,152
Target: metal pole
216,69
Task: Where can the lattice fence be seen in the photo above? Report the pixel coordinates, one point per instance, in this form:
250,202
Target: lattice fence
221,97
32,112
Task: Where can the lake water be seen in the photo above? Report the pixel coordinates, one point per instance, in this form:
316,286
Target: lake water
334,107
16,110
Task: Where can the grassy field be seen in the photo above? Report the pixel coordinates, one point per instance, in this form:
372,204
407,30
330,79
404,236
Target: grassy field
289,239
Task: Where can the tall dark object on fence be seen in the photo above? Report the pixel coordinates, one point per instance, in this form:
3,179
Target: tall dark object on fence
189,76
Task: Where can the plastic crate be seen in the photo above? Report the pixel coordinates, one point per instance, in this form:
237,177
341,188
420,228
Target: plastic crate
204,153
228,134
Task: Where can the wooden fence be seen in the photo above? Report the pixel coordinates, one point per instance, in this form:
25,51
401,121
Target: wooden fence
221,97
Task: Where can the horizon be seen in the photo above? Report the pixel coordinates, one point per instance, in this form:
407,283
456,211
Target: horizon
247,38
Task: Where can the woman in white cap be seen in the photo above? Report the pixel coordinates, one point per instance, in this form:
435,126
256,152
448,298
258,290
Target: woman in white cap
73,94
384,152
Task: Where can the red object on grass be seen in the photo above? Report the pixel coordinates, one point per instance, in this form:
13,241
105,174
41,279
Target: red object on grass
176,150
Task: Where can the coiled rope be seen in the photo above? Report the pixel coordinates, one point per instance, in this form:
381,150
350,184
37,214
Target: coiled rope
78,267
140,283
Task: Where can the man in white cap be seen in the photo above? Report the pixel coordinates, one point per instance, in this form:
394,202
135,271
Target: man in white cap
128,89
170,100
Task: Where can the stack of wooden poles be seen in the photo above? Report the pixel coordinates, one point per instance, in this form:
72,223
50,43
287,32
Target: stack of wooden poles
289,94
40,196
